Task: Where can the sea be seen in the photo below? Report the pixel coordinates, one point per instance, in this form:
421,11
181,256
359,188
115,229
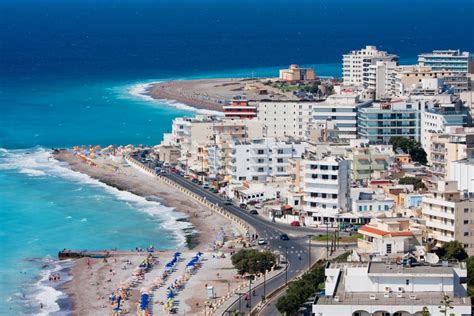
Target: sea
75,72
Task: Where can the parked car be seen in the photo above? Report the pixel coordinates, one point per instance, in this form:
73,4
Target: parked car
243,206
284,237
295,223
205,186
194,180
254,212
228,202
262,241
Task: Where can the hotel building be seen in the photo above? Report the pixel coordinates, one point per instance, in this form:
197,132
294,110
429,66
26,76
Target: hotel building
239,108
285,119
381,121
356,64
448,60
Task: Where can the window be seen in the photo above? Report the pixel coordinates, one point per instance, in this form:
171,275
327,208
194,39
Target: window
466,210
280,169
333,177
260,152
280,151
325,176
389,248
280,160
255,178
335,167
466,233
466,222
260,169
407,282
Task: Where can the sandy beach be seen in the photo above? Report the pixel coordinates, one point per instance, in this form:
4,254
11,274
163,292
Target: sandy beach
212,94
95,279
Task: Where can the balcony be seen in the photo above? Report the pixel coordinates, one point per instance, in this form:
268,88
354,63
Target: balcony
440,225
438,213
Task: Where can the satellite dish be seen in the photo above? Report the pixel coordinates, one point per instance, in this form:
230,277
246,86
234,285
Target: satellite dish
432,258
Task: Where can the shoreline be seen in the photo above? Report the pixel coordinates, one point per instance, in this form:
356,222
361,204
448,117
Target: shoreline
210,95
198,234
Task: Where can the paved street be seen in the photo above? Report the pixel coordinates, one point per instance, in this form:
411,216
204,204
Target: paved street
297,245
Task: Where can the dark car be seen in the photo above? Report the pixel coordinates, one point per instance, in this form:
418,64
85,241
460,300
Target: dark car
194,180
254,212
284,237
243,206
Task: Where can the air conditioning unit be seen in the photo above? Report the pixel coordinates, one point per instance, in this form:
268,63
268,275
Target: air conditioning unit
386,295
401,290
399,295
413,297
336,298
372,297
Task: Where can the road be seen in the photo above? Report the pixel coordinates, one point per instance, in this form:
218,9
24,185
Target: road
297,245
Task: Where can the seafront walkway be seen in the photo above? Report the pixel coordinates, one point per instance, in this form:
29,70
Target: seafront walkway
299,254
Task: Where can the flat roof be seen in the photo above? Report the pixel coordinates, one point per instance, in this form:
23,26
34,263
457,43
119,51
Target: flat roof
395,269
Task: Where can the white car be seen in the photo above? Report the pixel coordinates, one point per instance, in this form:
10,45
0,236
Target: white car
262,241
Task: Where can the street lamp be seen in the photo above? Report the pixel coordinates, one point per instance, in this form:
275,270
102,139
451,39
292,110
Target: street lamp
309,251
286,269
327,240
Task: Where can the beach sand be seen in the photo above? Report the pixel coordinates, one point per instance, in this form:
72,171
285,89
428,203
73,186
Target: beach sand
93,280
211,94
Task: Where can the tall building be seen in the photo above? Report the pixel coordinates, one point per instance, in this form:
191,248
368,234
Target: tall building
341,110
381,78
448,60
383,120
284,119
258,159
462,172
449,215
355,65
296,73
324,182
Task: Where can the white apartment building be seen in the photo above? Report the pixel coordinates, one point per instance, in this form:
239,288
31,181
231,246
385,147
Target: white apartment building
341,111
355,65
259,159
449,215
367,202
386,288
284,119
381,78
462,171
325,182
437,119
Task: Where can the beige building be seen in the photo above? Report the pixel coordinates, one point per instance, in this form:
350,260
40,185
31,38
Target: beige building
442,149
295,73
449,215
409,77
169,154
390,235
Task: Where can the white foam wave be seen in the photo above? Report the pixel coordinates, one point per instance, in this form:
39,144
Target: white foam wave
45,293
40,160
140,90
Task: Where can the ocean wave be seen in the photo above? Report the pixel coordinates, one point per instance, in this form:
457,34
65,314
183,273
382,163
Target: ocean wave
40,161
140,90
45,292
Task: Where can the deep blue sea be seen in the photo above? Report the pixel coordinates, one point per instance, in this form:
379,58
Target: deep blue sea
71,72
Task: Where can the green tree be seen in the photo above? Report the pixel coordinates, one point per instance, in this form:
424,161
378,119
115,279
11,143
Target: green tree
445,305
417,183
410,146
470,275
452,250
252,261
